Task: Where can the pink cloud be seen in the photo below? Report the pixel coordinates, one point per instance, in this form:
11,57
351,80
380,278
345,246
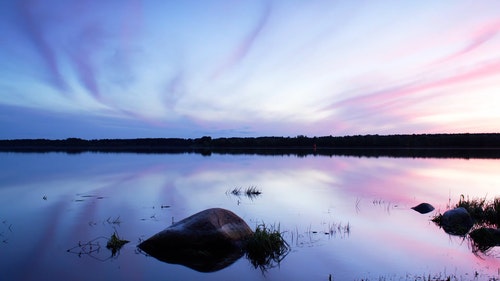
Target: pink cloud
477,39
383,99
395,108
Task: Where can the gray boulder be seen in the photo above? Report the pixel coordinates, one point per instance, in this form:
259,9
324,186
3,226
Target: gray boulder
206,241
457,221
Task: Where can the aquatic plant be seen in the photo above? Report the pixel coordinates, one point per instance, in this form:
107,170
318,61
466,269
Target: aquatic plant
266,248
475,207
92,248
437,218
492,212
250,192
338,228
86,248
236,191
115,243
116,221
409,277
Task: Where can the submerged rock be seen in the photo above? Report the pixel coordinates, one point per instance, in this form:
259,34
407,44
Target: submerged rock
423,208
457,221
206,241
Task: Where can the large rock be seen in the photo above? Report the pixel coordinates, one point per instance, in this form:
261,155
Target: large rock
207,241
457,221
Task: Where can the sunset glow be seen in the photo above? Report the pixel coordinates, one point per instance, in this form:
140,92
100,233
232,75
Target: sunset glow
126,69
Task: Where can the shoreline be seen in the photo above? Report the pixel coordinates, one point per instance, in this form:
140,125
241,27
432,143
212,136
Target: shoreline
415,146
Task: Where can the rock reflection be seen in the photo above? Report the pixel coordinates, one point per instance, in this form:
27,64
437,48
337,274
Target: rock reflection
202,260
484,239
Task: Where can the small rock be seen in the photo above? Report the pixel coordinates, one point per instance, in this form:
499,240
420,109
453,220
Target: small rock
423,208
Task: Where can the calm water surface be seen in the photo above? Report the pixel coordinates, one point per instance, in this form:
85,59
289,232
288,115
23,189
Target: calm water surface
343,216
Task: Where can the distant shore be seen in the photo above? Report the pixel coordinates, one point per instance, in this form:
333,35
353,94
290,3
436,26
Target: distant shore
422,145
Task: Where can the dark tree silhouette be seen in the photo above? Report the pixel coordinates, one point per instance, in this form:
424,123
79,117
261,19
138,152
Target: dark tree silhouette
423,145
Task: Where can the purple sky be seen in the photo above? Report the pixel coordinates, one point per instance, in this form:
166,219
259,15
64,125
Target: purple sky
130,68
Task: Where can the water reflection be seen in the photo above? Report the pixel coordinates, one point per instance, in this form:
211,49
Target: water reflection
305,196
201,262
95,248
484,239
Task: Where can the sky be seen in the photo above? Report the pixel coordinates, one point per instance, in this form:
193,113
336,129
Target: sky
223,68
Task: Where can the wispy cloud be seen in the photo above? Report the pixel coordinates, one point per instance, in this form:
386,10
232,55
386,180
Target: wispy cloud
395,107
81,53
478,38
245,45
32,22
392,93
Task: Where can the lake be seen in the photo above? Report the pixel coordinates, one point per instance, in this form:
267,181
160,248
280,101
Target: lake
345,218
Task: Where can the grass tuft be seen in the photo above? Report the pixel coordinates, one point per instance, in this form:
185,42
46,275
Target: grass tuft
250,192
475,207
483,212
267,247
236,191
492,213
486,216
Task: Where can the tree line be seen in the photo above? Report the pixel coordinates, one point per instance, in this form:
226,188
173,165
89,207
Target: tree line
364,141
442,141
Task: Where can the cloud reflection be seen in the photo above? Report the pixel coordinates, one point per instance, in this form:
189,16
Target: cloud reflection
303,195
